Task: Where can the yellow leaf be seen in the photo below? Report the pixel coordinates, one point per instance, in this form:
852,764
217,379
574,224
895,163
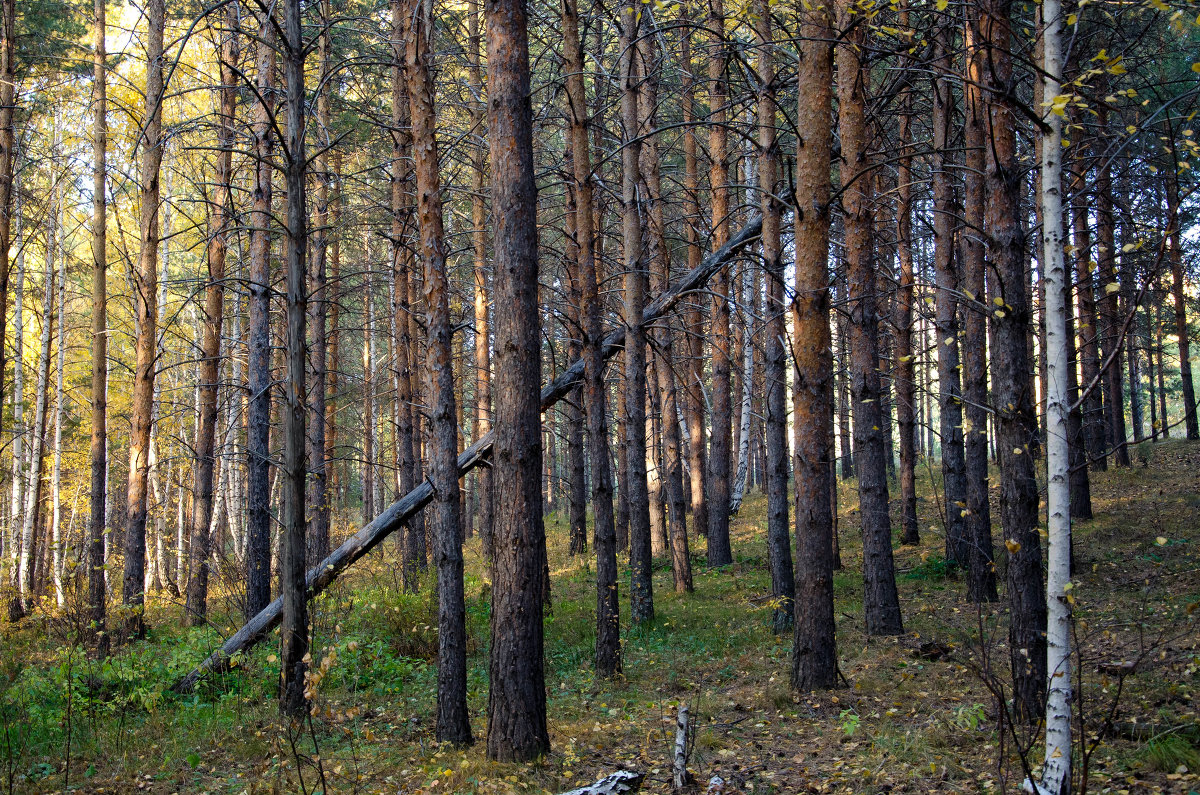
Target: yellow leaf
941,4
1161,541
1013,547
1072,19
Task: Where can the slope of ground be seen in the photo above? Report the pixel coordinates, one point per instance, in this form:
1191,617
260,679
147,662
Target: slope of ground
921,712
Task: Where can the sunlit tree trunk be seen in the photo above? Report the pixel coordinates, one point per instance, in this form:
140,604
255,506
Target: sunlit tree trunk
1175,254
694,403
196,611
98,459
814,650
318,308
146,314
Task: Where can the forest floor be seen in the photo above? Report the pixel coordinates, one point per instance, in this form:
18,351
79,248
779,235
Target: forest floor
915,714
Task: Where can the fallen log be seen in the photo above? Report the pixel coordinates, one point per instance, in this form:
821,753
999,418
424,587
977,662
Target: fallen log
398,513
623,781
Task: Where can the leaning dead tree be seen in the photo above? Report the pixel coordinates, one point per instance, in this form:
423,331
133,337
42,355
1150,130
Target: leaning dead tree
398,513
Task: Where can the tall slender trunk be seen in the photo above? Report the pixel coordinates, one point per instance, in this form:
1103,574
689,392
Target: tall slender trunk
99,444
1110,332
576,467
57,538
483,344
1056,774
779,548
333,338
318,309
641,596
946,302
293,632
146,314
981,574
196,611
453,721
517,696
1180,304
8,83
1011,318
719,552
608,640
814,650
37,445
1089,347
368,385
258,367
881,602
659,256
20,432
904,372
695,403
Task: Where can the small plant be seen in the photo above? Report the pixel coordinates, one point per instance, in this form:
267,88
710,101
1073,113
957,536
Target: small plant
969,717
931,568
1170,751
849,721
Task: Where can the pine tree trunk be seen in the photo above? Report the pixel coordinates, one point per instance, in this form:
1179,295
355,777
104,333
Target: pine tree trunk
719,552
146,315
517,696
1110,321
694,402
641,596
318,311
294,630
608,648
258,368
904,372
98,458
1191,424
659,256
814,650
881,602
779,548
1089,347
954,476
453,721
196,612
981,574
1012,374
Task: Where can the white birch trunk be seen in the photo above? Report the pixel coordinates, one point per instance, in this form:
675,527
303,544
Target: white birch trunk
746,284
1056,773
18,449
56,533
25,563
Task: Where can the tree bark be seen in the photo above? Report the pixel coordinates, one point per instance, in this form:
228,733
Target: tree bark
946,306
641,594
779,548
1110,322
97,596
258,367
814,649
719,552
146,314
881,602
517,696
608,640
196,610
453,721
659,256
981,570
1180,304
904,371
293,695
1011,316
